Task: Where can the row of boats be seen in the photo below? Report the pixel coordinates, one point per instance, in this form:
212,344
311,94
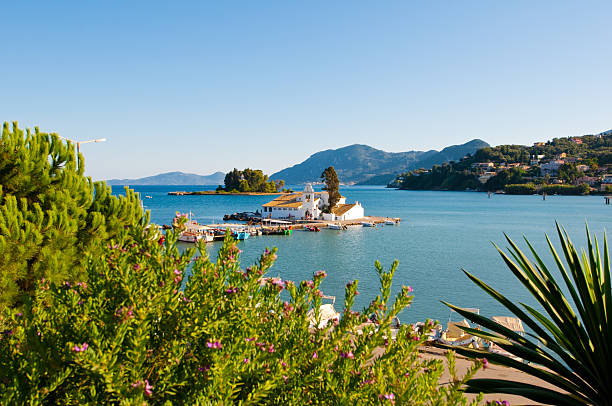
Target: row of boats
193,232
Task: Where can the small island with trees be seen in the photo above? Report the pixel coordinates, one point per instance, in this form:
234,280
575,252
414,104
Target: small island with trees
245,182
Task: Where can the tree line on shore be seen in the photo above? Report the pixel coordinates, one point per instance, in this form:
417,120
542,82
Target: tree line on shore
520,165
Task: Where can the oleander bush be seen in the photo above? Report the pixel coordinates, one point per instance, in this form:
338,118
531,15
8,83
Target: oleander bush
154,325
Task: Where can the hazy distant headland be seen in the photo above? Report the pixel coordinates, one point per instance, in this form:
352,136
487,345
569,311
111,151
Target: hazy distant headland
173,178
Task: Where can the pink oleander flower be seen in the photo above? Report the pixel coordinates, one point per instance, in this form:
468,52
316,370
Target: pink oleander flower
271,348
409,289
250,339
148,389
80,348
388,396
216,345
321,273
485,363
347,355
177,272
315,355
246,360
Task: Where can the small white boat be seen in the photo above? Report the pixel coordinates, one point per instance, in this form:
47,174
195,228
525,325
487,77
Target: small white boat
333,226
455,336
149,197
193,231
368,224
327,314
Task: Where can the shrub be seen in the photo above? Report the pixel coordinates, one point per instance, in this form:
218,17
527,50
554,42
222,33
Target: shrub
566,189
521,189
140,332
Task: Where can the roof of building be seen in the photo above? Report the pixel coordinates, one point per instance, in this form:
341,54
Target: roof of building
284,200
340,209
291,200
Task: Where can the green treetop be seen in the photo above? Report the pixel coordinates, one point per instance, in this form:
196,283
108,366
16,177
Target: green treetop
332,186
249,180
51,215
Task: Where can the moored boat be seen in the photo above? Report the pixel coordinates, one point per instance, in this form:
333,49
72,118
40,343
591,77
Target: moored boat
327,314
241,235
368,224
455,336
334,226
193,232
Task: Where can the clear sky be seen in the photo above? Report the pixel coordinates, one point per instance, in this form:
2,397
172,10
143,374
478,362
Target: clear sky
206,86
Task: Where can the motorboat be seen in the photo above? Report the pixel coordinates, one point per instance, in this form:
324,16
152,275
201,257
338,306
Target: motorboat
327,314
193,232
313,228
241,235
368,224
334,226
392,221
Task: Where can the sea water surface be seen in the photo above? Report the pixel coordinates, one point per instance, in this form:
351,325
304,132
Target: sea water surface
440,233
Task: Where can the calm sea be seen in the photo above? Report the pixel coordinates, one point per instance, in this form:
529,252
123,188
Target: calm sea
440,233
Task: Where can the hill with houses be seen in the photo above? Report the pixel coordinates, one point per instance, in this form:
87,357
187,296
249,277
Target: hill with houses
362,164
572,165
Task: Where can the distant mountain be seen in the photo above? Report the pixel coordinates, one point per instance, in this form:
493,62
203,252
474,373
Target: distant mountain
173,178
452,153
352,163
363,164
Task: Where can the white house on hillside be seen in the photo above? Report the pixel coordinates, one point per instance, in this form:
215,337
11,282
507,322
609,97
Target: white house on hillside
308,205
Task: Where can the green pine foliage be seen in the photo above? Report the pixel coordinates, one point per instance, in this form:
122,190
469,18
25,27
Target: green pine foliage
156,326
51,215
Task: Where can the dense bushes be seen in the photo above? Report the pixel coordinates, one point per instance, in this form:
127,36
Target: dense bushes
139,331
521,189
581,189
530,188
249,180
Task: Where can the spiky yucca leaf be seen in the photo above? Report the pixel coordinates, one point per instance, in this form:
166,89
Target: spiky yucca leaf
570,343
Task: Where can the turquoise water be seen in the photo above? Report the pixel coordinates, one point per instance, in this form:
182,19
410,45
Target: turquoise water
440,233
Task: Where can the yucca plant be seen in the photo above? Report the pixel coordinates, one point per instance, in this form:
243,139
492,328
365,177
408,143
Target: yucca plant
569,345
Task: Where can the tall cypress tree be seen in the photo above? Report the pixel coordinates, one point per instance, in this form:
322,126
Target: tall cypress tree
332,186
51,215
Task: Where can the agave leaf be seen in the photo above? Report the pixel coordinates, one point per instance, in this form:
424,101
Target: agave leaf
538,355
532,392
572,337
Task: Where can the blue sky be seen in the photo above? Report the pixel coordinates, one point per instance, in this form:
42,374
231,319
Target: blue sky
205,86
